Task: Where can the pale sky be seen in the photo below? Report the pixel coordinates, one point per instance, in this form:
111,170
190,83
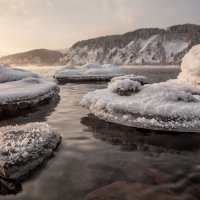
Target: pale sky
55,24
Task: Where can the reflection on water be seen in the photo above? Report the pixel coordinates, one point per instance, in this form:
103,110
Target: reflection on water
95,154
130,138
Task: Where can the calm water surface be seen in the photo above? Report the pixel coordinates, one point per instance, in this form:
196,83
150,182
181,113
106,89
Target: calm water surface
95,154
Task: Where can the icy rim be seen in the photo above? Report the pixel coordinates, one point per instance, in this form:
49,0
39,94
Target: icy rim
88,73
20,89
23,148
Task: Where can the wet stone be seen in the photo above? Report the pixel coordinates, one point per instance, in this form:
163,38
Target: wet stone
24,148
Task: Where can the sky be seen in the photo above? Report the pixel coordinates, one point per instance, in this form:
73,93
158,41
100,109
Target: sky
57,24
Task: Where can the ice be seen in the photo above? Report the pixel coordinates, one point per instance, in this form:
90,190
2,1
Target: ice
174,104
191,66
22,148
89,71
173,47
140,79
124,85
18,85
26,90
8,74
91,66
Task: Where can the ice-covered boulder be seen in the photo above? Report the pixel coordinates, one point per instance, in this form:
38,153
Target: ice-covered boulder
141,79
23,148
88,73
124,87
190,66
20,89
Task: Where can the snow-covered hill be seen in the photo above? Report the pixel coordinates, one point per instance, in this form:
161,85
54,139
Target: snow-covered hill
34,57
143,46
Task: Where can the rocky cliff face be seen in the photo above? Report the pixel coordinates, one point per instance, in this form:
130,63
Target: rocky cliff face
143,46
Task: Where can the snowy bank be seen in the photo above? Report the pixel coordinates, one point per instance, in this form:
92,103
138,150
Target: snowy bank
20,89
174,104
88,73
23,148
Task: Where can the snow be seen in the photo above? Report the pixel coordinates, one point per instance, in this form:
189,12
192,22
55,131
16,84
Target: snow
146,43
124,85
171,104
174,104
190,66
91,66
25,143
26,89
140,79
173,47
156,49
89,71
18,85
70,66
8,74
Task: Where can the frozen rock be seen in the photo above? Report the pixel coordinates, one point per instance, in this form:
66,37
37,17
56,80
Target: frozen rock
23,148
191,66
141,79
124,87
174,104
88,73
20,89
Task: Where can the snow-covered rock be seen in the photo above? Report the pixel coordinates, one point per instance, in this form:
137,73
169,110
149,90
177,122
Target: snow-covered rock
191,66
88,72
124,87
174,104
141,79
20,89
23,148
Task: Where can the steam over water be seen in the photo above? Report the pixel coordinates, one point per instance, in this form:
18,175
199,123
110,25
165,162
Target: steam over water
99,159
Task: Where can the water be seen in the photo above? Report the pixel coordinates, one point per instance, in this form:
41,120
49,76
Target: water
99,159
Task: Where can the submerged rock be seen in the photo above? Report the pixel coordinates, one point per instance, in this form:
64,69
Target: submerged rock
121,190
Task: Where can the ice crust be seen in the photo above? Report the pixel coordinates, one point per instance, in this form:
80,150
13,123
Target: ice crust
18,85
24,147
89,71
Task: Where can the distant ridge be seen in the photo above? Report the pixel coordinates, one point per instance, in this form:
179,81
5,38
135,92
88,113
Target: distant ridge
143,46
34,57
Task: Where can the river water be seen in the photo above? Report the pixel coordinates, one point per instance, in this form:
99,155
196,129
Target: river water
99,160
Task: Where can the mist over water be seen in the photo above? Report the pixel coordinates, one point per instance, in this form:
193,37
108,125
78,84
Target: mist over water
95,154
